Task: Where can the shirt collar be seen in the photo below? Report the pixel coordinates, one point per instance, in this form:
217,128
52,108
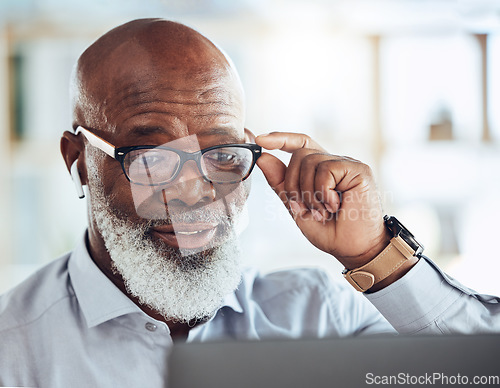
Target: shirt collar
99,299
232,302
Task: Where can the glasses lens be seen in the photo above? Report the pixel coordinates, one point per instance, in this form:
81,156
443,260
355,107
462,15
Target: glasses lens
227,164
151,166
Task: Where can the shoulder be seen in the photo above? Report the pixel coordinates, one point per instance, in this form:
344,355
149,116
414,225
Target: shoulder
32,298
266,287
295,291
307,302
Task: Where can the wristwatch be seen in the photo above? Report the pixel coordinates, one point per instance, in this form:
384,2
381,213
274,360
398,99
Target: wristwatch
402,247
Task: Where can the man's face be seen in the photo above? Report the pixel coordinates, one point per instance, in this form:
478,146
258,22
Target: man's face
173,244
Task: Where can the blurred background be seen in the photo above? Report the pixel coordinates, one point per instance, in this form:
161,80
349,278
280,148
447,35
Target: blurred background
411,87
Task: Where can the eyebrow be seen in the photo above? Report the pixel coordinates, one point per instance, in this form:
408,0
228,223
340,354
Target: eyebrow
147,130
153,130
221,131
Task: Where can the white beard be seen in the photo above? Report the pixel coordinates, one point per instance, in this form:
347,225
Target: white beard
181,288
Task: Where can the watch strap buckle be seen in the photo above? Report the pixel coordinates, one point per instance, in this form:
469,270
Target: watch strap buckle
360,280
388,261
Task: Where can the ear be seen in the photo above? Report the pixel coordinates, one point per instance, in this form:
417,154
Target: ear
249,136
72,150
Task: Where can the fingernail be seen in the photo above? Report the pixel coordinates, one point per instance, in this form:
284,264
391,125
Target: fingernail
317,215
294,206
328,207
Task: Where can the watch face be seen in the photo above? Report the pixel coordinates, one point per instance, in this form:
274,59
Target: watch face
398,229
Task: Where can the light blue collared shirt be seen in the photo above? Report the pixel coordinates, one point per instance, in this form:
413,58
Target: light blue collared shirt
68,325
428,301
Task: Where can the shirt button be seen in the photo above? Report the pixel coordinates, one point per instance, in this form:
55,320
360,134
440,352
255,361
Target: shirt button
151,326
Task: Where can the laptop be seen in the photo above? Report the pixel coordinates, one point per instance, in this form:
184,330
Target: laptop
349,362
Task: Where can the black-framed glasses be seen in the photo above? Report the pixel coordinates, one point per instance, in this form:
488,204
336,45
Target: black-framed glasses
150,165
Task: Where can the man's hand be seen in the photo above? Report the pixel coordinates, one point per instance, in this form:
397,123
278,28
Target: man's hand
333,199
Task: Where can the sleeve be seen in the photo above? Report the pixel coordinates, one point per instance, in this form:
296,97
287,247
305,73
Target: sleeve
349,313
428,301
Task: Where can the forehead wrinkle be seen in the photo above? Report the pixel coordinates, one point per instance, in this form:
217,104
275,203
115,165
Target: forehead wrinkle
215,97
147,86
133,107
187,103
132,111
146,130
216,94
217,114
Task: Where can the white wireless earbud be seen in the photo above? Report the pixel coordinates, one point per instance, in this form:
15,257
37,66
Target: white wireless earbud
76,179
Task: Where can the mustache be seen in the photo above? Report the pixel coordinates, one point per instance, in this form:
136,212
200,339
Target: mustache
191,216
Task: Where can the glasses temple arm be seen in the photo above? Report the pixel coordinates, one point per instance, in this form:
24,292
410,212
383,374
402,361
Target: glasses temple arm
97,142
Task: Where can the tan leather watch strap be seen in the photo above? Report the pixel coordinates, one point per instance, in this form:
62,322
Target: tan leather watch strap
388,261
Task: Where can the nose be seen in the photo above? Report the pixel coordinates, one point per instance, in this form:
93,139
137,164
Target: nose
189,188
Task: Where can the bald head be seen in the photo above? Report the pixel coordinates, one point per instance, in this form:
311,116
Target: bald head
138,58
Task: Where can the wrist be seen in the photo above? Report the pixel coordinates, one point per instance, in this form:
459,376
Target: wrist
396,275
391,263
377,247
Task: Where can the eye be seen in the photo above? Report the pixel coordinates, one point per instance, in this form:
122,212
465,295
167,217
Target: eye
150,159
222,157
146,160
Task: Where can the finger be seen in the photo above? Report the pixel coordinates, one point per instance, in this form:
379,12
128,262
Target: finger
345,177
326,184
286,141
311,197
292,175
350,174
274,170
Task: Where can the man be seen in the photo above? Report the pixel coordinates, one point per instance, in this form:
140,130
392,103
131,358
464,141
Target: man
159,141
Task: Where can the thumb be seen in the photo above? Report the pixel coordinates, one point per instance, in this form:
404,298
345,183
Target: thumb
274,170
